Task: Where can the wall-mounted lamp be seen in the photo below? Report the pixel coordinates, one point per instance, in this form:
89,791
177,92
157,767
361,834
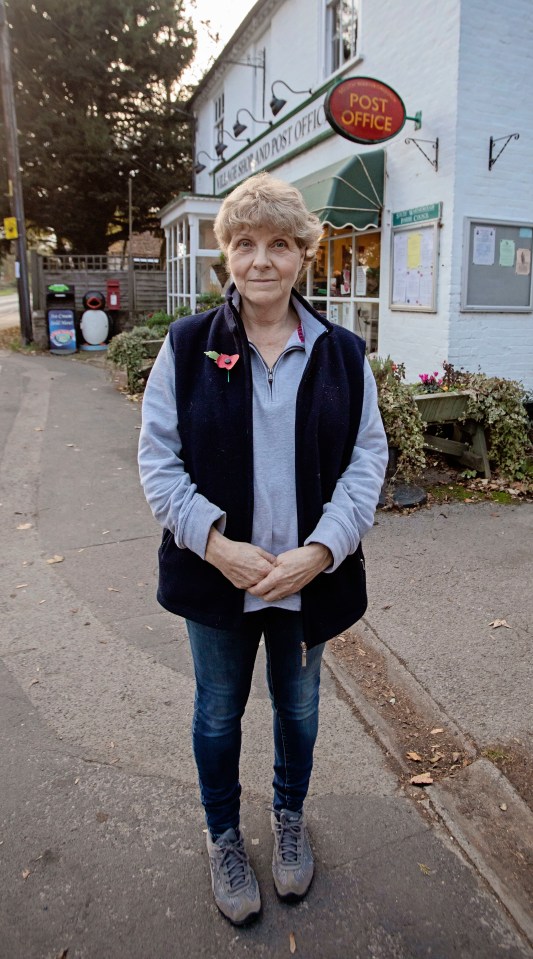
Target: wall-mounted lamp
221,146
239,128
276,104
200,167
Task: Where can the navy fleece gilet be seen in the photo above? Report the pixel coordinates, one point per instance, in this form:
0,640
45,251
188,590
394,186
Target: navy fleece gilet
215,425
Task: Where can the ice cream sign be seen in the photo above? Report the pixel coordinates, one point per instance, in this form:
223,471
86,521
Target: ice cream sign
366,110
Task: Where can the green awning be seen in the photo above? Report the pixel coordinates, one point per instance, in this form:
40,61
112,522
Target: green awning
347,193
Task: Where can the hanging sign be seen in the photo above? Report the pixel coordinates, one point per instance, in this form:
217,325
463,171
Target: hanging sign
10,228
364,110
432,211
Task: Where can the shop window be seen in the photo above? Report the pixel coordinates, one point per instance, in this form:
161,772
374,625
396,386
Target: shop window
343,281
341,33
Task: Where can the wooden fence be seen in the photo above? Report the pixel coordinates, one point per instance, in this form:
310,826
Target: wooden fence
143,284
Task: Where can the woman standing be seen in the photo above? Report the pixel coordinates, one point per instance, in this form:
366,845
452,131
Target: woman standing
262,455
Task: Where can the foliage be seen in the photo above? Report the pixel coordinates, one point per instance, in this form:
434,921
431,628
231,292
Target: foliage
128,350
158,323
208,300
498,405
402,421
98,100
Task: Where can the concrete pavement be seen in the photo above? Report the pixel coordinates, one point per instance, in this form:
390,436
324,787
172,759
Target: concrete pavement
102,849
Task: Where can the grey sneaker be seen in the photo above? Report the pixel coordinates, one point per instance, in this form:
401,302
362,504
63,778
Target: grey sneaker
292,860
233,880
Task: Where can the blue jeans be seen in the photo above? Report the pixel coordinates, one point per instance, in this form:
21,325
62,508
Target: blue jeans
223,664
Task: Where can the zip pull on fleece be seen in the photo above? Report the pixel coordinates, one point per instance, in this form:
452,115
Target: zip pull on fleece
304,653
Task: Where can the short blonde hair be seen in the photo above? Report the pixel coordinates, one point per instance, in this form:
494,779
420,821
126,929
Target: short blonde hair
262,200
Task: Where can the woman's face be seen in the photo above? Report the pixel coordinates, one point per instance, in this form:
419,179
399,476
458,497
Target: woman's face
264,264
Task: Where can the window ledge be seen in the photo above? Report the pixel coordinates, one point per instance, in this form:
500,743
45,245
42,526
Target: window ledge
346,66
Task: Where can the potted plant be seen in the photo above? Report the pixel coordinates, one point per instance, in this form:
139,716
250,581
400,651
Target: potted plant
438,398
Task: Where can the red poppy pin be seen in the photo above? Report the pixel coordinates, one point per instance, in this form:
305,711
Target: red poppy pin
223,360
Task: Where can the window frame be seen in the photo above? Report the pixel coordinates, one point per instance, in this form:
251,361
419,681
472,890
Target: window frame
336,63
218,113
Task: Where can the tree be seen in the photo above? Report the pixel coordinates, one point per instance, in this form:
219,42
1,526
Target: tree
98,99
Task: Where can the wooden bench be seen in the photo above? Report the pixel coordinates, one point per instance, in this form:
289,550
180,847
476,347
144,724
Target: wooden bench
468,443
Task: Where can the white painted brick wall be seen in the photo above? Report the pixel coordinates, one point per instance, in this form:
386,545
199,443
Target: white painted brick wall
466,64
494,75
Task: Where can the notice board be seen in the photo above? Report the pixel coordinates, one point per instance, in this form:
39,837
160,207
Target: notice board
497,274
413,272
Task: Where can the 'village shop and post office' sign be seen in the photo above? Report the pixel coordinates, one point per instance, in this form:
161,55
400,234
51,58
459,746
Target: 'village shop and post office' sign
296,133
364,110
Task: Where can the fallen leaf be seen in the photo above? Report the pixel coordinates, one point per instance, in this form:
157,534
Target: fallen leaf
437,757
25,526
415,757
456,757
21,585
102,816
292,943
500,622
55,559
503,806
112,589
437,730
41,601
424,779
76,781
25,873
425,869
104,531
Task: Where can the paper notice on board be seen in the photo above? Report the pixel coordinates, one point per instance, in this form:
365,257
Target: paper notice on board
426,289
507,249
400,252
523,261
360,281
484,245
412,293
399,286
414,243
427,249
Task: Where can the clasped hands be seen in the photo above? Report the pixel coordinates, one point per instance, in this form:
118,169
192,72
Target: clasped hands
262,574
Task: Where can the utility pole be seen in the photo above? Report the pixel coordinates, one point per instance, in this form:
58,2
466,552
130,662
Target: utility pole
14,181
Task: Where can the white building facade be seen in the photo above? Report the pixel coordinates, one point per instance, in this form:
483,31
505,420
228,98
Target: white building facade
427,248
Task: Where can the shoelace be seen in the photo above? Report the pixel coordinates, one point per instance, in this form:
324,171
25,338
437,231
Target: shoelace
234,864
289,835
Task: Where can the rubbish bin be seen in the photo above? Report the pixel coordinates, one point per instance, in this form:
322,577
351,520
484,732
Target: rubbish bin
60,313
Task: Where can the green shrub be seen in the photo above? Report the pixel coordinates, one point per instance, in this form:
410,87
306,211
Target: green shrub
128,351
402,421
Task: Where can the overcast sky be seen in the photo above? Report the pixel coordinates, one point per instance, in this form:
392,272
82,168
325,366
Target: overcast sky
225,17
